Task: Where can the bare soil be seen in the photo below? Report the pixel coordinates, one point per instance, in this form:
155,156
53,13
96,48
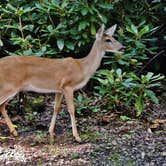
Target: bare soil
107,140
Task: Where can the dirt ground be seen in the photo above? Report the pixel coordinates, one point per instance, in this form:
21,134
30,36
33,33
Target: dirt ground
106,140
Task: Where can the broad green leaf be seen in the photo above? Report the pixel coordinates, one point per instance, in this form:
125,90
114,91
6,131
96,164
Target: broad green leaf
119,72
80,98
92,9
153,29
28,52
111,80
142,23
84,11
139,105
144,30
121,62
11,7
103,18
60,44
64,4
12,26
149,75
85,35
24,27
129,29
38,6
102,81
50,28
144,79
106,5
70,45
153,85
20,12
43,49
134,29
125,118
152,96
157,78
129,80
92,18
82,25
94,109
38,54
93,29
28,9
1,43
133,61
31,27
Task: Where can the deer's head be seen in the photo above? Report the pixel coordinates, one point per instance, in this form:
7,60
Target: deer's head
107,41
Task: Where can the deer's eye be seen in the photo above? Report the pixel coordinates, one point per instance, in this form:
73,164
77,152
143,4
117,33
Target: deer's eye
108,40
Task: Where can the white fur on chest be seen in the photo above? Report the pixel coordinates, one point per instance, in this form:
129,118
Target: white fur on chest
82,84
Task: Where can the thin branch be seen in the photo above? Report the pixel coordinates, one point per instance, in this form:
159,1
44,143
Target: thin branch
151,61
52,22
20,23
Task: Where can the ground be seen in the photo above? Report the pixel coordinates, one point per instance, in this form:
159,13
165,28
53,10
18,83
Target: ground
106,140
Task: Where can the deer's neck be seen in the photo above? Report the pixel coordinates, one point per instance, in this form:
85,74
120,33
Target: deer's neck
93,60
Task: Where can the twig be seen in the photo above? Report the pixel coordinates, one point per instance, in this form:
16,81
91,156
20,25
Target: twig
20,23
151,61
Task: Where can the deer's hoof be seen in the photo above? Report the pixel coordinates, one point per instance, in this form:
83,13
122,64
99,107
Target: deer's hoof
15,133
78,139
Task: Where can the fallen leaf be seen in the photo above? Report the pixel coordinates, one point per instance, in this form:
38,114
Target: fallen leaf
163,153
114,142
154,126
159,121
149,131
106,119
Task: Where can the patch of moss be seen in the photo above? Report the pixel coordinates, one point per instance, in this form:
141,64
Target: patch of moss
92,136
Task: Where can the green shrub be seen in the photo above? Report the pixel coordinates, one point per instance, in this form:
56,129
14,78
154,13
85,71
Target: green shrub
54,28
46,28
86,103
118,87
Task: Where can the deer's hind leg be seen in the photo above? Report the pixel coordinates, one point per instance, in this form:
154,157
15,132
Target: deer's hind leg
7,119
68,93
58,100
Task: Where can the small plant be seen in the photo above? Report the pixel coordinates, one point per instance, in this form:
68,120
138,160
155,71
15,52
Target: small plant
30,116
85,103
125,118
118,87
32,107
40,137
74,156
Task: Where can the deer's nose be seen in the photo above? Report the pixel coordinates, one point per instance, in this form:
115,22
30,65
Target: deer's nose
122,49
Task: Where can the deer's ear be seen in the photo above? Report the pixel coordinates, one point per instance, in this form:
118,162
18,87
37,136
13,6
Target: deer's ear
111,31
100,32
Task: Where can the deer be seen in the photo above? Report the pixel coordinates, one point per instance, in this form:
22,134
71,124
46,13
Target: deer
60,76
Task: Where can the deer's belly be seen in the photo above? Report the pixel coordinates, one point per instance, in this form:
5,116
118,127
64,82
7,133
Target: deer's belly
40,89
81,84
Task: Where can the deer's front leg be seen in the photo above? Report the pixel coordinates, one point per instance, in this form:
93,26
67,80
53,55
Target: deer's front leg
58,100
7,119
68,93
